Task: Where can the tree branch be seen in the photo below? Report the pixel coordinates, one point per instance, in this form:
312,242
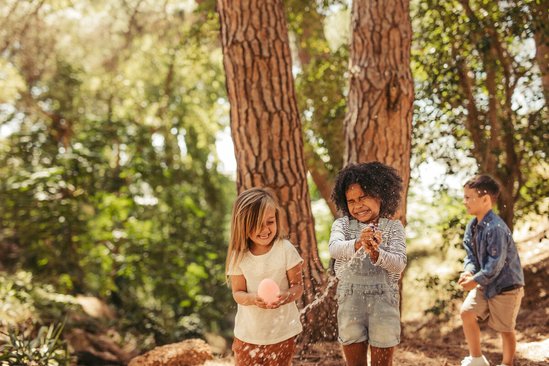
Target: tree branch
473,121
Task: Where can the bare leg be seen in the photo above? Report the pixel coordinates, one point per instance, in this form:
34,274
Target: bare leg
356,354
509,344
382,356
472,332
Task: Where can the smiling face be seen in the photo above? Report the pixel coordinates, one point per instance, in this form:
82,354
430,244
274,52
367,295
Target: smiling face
263,236
362,207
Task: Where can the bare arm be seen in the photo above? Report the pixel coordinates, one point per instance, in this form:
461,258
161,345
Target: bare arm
241,294
295,278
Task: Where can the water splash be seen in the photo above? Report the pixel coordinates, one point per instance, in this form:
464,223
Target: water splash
360,253
319,299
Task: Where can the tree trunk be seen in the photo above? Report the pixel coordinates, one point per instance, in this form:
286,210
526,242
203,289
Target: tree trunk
313,53
379,121
540,25
321,176
378,125
493,128
266,130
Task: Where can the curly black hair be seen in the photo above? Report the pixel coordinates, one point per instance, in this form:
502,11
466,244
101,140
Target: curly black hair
376,179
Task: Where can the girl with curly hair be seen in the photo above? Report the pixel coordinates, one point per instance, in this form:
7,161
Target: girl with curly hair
369,249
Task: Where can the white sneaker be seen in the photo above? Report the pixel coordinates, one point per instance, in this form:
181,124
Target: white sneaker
477,361
466,361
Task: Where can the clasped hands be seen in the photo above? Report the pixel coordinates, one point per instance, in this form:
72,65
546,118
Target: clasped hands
281,300
370,239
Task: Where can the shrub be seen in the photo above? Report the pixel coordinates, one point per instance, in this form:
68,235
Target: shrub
46,349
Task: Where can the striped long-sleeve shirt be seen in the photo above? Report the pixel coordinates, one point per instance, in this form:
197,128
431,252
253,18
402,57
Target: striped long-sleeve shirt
392,250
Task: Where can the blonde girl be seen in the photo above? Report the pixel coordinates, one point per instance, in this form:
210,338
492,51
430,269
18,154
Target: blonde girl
264,333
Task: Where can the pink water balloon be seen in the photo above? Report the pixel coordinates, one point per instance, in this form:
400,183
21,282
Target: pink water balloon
268,290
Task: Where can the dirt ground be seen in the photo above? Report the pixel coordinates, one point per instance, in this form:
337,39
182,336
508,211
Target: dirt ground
434,343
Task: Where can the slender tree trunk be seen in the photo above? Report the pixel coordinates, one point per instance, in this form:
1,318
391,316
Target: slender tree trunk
492,128
540,25
379,121
321,176
312,51
266,130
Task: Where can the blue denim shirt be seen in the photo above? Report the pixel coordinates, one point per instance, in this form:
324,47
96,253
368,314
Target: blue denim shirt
494,262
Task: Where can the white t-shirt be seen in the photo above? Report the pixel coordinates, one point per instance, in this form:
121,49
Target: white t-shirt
267,326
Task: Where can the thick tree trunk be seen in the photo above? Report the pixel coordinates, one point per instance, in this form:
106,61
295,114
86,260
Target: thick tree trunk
266,130
378,125
379,121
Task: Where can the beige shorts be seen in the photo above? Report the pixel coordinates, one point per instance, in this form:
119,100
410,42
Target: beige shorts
501,310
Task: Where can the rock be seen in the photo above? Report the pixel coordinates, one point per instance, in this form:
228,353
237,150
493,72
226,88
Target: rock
191,352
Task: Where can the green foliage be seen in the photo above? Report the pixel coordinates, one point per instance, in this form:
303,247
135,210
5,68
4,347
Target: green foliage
489,44
445,292
435,232
321,83
25,299
45,349
110,183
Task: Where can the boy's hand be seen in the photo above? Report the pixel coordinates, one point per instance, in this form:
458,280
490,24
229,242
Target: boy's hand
464,276
468,283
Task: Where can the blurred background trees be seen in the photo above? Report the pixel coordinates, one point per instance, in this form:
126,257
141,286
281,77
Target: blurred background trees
110,185
480,67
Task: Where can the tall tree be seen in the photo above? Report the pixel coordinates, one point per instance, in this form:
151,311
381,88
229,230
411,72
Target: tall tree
378,124
266,128
478,90
538,22
321,86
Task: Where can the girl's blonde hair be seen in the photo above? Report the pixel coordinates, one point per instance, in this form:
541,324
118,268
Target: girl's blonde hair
247,217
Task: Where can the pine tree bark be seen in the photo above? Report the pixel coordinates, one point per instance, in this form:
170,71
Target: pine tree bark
267,133
378,124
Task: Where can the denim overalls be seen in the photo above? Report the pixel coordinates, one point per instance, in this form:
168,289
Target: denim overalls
368,304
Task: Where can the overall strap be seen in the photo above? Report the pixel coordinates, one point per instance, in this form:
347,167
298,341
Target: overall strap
353,228
386,225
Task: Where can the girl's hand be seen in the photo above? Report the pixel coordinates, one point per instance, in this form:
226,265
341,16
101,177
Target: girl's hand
281,300
258,301
370,239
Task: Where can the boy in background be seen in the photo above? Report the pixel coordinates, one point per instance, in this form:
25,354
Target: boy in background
492,273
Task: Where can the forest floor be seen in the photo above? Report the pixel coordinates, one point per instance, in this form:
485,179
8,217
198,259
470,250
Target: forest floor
430,342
